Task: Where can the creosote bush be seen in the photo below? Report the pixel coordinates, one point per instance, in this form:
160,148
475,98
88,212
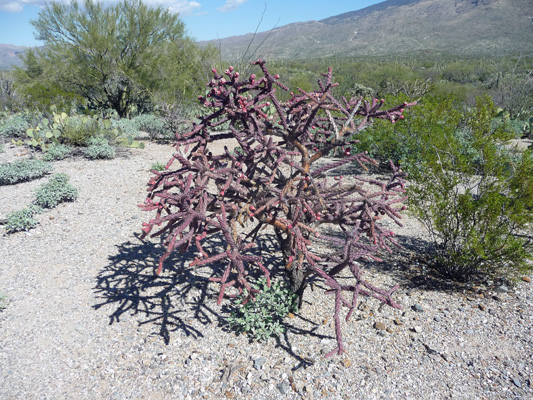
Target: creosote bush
23,170
475,195
276,183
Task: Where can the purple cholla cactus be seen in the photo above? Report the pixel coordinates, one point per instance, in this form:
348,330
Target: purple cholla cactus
274,181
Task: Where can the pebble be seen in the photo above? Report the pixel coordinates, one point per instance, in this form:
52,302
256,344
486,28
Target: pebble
417,308
259,362
417,329
283,387
380,326
517,383
502,289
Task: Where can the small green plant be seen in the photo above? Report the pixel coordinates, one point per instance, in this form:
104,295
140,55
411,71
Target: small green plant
3,302
57,152
262,318
57,190
24,170
22,220
99,148
157,166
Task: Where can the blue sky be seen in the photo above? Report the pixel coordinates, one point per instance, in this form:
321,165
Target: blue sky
205,19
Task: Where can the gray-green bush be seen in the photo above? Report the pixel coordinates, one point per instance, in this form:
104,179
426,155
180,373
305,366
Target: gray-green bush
23,170
22,220
262,318
57,152
155,126
57,190
99,148
15,126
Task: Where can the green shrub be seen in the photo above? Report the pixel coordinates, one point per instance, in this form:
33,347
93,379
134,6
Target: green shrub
57,152
22,220
262,318
24,170
57,190
15,126
78,130
99,148
475,197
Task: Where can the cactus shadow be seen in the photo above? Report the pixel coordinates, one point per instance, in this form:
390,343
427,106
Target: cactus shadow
181,300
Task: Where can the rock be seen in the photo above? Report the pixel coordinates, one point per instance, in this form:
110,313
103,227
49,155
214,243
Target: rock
470,331
417,308
502,289
346,362
283,387
259,362
526,279
417,329
398,322
516,383
298,386
436,319
380,326
497,298
482,307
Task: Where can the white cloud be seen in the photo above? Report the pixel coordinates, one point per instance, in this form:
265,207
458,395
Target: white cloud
11,6
231,5
183,7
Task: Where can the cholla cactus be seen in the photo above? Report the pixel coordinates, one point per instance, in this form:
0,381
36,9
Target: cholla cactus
275,181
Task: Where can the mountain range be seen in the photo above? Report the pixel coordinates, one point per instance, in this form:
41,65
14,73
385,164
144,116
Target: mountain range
396,27
390,28
9,55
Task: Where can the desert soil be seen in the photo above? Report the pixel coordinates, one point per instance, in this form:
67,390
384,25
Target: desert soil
85,318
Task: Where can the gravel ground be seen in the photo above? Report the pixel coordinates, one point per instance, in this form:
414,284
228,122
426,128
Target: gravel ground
85,318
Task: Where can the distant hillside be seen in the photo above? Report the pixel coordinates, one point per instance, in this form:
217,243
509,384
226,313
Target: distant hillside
395,27
9,55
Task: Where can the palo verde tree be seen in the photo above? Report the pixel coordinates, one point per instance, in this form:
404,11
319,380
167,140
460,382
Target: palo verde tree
119,56
277,181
